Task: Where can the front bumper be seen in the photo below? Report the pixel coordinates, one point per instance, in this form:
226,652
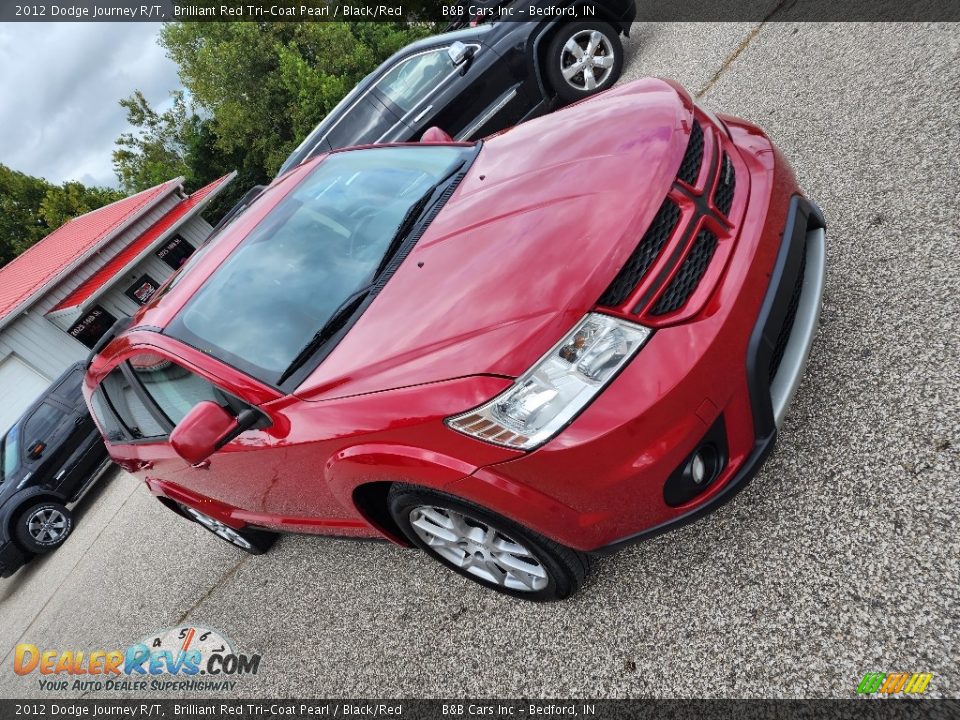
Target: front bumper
801,263
599,485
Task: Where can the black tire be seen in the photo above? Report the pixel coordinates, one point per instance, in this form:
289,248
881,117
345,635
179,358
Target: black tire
565,568
556,59
43,527
255,542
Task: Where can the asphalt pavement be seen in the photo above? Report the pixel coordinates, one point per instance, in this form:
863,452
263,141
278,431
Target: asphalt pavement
841,558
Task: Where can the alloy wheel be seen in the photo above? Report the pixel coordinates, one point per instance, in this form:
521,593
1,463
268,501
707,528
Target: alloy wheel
219,529
478,548
587,60
47,526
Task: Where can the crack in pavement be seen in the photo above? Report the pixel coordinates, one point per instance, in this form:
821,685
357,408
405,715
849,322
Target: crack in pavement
729,60
223,578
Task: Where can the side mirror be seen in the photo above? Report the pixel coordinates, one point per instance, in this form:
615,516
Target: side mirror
36,450
207,428
460,53
436,135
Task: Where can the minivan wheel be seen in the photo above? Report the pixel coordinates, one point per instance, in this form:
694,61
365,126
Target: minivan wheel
255,542
485,547
43,527
583,59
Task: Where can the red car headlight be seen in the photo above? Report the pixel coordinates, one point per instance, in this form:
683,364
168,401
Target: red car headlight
558,387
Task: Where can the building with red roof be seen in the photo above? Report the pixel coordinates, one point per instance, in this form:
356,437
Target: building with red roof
61,295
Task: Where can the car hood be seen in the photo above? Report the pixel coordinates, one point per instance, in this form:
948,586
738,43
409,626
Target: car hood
545,217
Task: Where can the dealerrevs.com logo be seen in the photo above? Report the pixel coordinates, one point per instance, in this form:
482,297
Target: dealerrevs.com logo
878,683
182,658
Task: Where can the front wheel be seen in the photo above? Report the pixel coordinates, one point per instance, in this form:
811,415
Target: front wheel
485,547
255,542
43,527
583,58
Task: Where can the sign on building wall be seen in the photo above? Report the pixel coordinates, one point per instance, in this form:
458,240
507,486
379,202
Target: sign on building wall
175,252
92,326
142,290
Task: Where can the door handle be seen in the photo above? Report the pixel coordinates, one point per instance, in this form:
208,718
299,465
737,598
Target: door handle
202,465
423,112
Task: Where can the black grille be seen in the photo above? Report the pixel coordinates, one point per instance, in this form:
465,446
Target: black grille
643,255
788,321
689,275
693,157
726,186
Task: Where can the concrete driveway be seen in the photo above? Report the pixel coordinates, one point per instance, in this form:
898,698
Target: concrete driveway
842,557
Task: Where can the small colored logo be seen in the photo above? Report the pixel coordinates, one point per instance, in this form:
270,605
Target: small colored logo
878,683
182,652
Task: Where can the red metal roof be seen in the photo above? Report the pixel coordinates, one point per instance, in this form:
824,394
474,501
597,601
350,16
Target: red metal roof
130,253
45,261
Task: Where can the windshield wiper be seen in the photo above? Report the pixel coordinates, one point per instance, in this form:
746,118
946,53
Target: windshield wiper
410,220
333,324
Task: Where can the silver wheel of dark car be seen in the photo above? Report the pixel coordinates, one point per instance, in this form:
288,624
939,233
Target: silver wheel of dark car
219,529
43,527
478,548
587,60
48,526
584,58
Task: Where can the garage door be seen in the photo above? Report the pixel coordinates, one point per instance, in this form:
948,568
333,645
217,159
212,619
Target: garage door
20,385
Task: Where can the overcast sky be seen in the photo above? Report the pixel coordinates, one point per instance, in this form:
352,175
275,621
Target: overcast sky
59,87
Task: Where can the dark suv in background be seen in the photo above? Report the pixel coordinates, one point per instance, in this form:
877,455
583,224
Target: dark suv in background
485,77
48,460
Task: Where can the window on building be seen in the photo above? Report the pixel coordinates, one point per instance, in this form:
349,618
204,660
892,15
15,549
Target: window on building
175,252
92,326
142,290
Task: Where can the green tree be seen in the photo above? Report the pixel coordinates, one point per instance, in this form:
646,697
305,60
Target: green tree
63,202
159,148
266,85
254,91
31,208
21,222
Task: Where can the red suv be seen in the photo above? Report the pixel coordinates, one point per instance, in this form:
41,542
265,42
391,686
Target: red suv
513,354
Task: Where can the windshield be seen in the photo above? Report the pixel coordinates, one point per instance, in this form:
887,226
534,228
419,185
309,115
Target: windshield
319,245
9,453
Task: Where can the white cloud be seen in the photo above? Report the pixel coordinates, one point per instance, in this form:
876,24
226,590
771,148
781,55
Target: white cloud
59,88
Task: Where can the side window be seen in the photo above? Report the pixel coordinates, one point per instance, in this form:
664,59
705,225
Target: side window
174,388
147,396
108,421
131,411
40,427
410,81
69,389
10,453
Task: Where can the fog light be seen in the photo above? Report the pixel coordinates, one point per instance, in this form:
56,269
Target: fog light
698,468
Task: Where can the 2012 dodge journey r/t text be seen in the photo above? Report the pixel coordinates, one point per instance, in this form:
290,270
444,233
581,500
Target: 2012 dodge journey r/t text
512,354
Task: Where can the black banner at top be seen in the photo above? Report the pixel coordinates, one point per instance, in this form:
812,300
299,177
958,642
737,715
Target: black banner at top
476,10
